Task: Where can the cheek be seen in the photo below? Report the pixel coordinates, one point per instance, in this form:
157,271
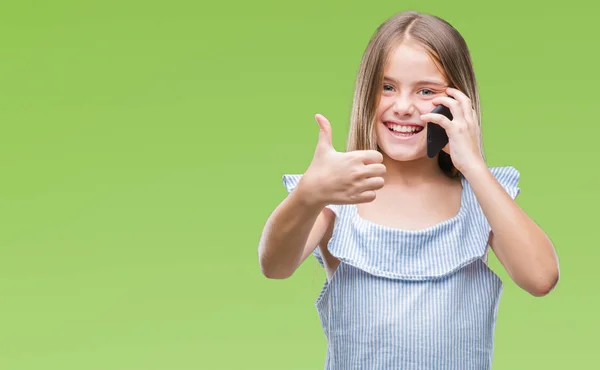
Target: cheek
384,105
426,107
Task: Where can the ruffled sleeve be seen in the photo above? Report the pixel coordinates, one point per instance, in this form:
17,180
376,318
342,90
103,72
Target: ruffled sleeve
509,178
290,181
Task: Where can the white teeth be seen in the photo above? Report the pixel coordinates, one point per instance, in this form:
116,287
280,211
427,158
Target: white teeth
400,128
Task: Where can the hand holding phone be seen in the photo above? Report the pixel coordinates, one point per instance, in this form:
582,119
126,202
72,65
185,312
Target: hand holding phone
436,135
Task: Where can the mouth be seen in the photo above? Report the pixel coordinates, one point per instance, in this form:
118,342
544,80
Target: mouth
403,130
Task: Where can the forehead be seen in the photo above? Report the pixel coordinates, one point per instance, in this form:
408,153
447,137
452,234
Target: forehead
410,62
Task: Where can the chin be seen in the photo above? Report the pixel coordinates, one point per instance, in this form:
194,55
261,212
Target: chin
401,155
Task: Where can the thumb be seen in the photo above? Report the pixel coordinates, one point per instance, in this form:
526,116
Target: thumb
324,132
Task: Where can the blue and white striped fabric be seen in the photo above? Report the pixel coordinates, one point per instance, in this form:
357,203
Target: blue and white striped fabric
411,299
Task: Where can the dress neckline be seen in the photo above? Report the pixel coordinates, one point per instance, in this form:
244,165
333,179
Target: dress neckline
442,224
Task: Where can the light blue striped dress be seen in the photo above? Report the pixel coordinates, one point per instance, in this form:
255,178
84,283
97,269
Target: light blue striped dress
403,299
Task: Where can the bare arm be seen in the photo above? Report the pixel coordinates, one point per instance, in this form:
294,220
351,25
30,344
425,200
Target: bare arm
291,234
301,221
521,246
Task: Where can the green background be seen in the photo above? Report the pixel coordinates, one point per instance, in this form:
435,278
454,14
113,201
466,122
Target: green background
142,149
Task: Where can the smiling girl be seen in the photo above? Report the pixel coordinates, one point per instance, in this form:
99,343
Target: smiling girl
404,238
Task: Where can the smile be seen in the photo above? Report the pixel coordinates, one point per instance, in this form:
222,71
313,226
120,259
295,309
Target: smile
403,130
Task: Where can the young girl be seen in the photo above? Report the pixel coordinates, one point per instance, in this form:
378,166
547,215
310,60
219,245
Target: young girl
403,237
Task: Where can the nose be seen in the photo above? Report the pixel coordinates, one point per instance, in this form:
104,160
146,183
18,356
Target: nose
403,106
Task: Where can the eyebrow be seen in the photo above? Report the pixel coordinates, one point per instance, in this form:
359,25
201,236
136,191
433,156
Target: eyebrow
421,82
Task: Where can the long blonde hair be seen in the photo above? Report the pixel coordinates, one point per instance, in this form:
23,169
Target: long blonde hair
444,44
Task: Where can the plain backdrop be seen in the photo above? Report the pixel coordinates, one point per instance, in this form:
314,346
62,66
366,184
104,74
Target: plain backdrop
142,146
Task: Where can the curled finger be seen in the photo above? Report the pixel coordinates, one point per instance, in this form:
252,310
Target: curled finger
437,118
375,169
370,183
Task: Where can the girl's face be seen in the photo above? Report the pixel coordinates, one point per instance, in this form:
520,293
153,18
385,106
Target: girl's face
411,81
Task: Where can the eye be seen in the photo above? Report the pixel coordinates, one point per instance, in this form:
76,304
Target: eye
384,86
431,92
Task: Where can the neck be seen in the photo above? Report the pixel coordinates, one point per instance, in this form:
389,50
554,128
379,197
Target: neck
411,173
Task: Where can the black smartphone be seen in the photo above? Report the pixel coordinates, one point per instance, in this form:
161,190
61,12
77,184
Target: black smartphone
436,135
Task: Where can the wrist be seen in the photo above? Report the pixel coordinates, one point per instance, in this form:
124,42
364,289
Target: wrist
307,195
475,169
476,172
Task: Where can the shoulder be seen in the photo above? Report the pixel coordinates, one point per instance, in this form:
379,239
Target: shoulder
507,176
